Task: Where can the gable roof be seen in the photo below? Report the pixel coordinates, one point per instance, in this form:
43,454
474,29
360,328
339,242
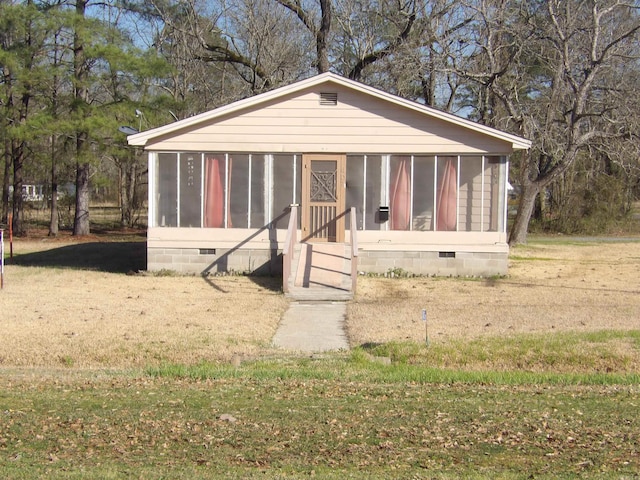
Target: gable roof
143,138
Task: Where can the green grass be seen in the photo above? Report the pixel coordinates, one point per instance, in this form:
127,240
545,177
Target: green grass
544,406
395,410
334,417
531,259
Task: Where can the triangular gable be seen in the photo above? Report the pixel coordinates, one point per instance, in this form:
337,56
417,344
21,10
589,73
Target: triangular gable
474,131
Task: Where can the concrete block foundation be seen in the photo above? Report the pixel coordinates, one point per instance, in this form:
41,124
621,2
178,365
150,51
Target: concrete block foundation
269,262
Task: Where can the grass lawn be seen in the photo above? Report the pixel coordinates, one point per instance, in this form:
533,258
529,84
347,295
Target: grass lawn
105,373
333,417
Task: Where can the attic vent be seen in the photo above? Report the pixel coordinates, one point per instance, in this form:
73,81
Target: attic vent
328,98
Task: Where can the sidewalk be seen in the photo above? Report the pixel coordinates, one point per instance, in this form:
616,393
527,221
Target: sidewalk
313,327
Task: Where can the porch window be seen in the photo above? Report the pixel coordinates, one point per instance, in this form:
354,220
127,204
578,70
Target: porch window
472,206
494,198
364,190
427,193
447,194
216,208
222,190
190,175
286,186
165,199
423,197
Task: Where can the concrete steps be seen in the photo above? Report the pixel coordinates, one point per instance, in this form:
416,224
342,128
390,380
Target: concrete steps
321,272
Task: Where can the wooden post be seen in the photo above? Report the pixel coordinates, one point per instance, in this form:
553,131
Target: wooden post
1,259
11,236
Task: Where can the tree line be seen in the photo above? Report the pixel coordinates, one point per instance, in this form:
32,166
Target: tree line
78,75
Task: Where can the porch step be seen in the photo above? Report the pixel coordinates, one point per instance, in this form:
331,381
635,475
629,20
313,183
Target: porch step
322,272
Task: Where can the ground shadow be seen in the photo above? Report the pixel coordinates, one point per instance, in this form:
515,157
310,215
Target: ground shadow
112,257
370,346
268,275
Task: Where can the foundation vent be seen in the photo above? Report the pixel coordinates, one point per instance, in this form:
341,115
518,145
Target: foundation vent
447,254
328,98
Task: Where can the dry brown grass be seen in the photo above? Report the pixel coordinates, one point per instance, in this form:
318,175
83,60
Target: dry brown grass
63,316
550,287
58,315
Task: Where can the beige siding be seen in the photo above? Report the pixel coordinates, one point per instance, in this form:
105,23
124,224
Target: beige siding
195,238
357,124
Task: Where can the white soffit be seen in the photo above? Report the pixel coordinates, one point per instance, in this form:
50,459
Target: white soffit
142,138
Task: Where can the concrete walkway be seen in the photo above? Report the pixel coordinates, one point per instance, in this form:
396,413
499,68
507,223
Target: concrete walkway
313,327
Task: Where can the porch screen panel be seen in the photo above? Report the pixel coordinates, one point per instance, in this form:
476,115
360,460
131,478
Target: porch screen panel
239,191
423,189
494,195
447,195
215,182
471,205
258,185
190,186
166,190
355,190
373,188
400,192
284,179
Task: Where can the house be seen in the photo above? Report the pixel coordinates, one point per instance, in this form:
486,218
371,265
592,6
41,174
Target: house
429,189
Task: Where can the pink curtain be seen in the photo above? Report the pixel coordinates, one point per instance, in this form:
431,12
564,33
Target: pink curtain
213,191
214,194
401,196
446,218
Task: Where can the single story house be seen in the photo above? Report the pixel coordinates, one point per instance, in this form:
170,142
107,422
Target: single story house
429,188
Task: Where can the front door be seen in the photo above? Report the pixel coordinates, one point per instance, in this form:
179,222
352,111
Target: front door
323,191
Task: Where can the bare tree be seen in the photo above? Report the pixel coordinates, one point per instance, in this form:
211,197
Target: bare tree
545,73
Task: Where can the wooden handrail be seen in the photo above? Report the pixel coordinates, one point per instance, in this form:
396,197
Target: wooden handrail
354,250
289,244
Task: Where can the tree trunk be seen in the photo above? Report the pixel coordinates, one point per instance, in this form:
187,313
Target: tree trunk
322,50
125,205
81,93
520,226
53,224
81,220
18,162
6,182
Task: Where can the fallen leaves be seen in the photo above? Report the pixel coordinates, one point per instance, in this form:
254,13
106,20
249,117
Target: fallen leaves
241,423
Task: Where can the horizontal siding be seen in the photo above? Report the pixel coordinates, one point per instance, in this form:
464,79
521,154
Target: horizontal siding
159,237
358,123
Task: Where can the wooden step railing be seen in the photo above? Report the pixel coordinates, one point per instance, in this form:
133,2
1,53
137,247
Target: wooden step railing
354,250
289,246
292,238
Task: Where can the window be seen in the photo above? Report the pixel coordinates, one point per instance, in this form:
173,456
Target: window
423,194
190,186
240,190
495,171
427,193
400,192
355,192
244,190
286,185
216,208
471,203
166,193
447,194
222,190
